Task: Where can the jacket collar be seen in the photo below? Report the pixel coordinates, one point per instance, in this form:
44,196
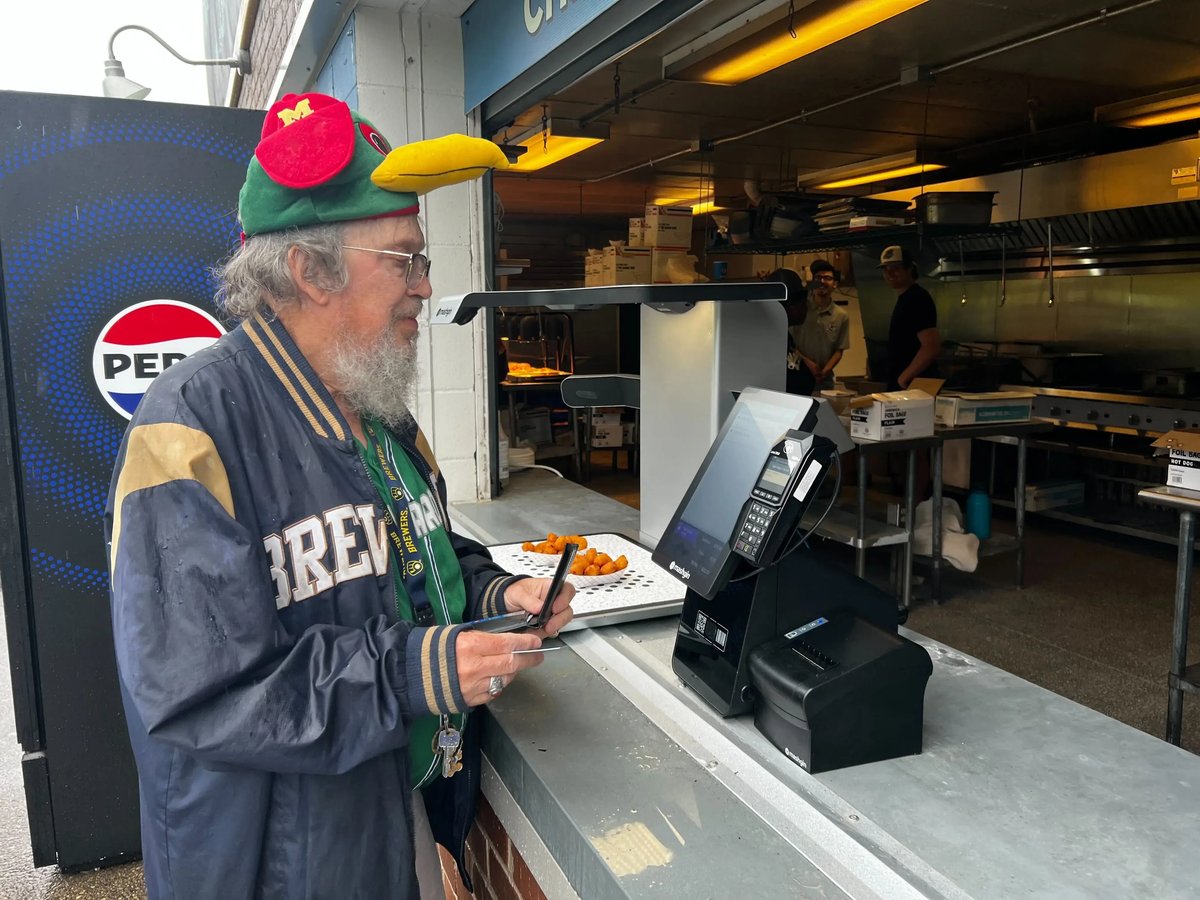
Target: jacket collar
309,393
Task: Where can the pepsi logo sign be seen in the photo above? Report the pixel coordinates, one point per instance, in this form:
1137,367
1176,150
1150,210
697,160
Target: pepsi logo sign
144,340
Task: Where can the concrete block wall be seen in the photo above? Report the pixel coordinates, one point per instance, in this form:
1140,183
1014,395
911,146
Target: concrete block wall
410,84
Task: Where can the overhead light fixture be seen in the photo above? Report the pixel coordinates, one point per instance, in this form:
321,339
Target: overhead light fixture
701,204
117,85
820,24
553,140
885,168
1166,108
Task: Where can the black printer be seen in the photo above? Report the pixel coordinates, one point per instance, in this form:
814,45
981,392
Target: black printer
839,691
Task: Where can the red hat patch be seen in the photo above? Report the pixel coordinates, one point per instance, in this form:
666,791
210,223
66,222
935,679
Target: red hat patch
307,139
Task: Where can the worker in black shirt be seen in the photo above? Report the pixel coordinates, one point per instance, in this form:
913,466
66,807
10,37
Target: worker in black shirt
913,339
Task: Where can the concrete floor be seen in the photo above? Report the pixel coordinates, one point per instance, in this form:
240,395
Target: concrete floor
1093,624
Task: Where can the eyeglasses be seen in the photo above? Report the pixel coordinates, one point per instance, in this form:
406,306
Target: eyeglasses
417,264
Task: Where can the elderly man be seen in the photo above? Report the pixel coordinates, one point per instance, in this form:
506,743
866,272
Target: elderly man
286,590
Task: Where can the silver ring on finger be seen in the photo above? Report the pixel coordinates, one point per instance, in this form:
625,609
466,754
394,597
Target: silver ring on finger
496,685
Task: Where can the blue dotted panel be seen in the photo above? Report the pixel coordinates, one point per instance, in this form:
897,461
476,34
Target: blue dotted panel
102,205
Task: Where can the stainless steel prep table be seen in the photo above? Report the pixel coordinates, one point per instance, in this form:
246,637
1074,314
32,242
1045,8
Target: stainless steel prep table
638,790
1180,678
1017,432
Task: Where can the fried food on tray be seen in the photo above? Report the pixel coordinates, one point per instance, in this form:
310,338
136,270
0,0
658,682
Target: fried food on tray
554,543
595,563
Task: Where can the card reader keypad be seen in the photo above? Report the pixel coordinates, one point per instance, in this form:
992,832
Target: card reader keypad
754,528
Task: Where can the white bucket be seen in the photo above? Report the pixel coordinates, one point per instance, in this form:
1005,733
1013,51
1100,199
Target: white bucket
520,457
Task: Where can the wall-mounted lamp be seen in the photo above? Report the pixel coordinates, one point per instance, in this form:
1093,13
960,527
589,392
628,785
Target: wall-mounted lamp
1158,109
117,85
728,57
553,140
870,171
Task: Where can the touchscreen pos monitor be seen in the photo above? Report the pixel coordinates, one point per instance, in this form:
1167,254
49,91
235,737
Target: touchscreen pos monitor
695,547
724,618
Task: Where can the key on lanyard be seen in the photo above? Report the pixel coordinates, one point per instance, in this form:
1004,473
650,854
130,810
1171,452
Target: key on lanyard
447,741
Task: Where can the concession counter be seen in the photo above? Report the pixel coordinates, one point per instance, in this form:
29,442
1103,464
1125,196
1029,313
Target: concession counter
614,779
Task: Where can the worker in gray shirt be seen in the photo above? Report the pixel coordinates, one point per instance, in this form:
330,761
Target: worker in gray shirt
823,336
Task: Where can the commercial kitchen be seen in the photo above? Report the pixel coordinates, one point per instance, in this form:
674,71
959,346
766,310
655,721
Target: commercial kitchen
823,694
1040,165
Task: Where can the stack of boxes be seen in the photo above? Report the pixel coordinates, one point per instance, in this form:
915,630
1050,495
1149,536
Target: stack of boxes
662,233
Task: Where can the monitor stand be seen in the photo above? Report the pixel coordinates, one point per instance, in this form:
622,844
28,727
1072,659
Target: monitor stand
715,637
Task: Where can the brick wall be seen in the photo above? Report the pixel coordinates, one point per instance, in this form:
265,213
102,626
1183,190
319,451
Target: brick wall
497,868
268,41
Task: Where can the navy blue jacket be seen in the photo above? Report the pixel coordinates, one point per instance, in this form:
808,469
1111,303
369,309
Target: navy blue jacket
267,681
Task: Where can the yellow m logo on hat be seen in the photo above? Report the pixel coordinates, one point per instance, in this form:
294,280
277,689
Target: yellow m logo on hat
296,113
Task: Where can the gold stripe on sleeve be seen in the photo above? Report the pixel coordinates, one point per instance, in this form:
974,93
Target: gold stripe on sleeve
427,669
164,452
444,670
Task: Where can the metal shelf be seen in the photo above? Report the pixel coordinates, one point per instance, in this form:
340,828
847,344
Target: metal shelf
997,544
849,240
842,526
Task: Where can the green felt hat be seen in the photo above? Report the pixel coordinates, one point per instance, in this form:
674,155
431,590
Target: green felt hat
318,162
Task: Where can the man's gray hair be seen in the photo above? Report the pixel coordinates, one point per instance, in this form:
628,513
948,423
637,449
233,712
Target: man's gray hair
257,279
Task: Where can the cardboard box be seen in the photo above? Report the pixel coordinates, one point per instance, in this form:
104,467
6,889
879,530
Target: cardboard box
1183,469
533,425
668,227
1052,494
861,223
606,428
622,265
637,232
629,432
955,408
593,267
891,416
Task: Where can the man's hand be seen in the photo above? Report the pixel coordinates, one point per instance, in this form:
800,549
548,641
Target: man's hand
482,656
813,367
530,593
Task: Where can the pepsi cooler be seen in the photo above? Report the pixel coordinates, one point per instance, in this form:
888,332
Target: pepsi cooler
112,215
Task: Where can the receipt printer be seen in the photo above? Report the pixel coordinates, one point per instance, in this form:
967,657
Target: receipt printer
840,691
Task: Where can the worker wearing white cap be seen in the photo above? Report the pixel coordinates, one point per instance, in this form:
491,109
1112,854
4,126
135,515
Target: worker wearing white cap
913,339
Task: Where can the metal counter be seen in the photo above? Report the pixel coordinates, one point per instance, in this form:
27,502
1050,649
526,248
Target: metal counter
639,790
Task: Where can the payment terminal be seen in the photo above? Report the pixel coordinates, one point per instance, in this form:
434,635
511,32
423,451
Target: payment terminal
831,662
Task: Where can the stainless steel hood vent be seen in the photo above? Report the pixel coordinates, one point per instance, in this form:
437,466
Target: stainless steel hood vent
1133,211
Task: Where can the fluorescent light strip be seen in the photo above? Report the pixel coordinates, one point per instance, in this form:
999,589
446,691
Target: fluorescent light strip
775,46
878,176
1166,117
699,208
555,148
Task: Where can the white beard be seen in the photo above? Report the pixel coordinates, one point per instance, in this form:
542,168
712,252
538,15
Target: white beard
378,380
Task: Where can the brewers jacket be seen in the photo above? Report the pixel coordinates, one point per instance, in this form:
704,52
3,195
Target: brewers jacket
267,682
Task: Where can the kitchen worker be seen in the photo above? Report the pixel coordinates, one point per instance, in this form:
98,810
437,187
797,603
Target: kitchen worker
824,335
799,377
287,592
913,339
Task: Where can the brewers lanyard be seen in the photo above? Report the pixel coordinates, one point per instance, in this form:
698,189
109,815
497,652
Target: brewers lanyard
447,740
412,566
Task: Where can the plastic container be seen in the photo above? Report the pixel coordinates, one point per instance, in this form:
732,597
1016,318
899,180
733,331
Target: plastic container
979,514
955,207
503,454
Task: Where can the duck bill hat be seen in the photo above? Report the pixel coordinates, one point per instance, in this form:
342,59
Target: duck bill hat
318,162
